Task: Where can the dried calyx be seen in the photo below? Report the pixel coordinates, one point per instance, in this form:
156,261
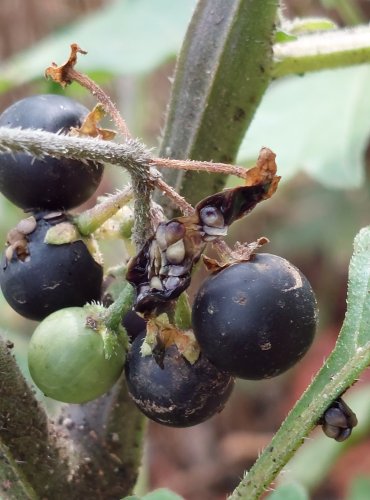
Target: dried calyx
161,271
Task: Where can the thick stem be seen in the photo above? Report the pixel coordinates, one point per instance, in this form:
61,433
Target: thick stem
27,443
107,435
222,72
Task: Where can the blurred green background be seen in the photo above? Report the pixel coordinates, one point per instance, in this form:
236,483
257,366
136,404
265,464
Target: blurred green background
319,127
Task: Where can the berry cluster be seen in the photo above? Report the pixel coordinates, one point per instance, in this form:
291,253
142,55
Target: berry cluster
47,265
253,318
37,277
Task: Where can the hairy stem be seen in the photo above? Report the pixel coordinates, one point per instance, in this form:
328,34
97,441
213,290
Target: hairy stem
103,98
349,358
90,220
131,155
107,435
27,444
222,73
119,308
324,50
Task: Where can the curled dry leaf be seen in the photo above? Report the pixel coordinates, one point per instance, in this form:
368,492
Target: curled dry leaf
227,256
90,128
61,74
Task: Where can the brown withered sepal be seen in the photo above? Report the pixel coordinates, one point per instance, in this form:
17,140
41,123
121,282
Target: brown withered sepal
161,270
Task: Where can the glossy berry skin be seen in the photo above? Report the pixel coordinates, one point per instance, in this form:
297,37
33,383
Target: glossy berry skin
48,183
255,319
51,277
70,361
177,394
133,324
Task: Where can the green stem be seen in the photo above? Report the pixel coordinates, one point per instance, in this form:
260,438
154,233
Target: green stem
299,423
343,367
222,73
90,220
324,50
119,308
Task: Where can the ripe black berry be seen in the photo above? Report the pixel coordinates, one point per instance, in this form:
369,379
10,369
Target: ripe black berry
48,183
255,319
37,278
134,324
177,394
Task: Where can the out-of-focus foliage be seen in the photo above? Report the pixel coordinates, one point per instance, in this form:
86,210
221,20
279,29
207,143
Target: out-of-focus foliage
318,123
130,36
291,491
359,489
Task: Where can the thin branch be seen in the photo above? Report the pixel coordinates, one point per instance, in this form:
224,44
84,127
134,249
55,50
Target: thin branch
132,154
66,74
201,166
90,220
179,200
323,50
104,99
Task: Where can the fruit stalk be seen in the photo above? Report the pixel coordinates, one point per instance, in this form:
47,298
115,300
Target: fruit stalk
340,371
119,308
90,220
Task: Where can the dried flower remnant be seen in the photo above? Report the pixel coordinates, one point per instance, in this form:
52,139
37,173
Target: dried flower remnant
161,270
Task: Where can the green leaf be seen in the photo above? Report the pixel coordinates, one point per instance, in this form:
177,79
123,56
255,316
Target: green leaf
291,491
282,36
131,36
359,489
318,123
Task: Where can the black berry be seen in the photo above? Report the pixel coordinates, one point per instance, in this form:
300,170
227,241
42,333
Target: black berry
255,319
175,392
37,278
48,183
134,324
